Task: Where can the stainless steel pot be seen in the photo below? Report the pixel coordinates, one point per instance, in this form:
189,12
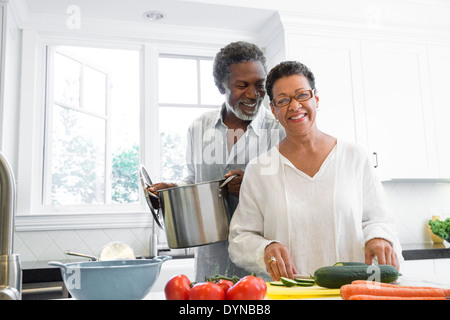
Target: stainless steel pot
192,215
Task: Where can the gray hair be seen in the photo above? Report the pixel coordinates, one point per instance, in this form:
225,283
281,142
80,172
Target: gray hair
286,69
235,52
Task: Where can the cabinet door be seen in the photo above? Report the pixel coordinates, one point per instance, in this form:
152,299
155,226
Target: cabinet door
439,61
335,64
398,109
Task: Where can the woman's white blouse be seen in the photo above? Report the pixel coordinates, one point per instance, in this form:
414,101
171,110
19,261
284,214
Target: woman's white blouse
322,219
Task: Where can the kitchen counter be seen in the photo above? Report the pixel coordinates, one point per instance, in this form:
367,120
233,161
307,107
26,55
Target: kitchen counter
433,281
419,251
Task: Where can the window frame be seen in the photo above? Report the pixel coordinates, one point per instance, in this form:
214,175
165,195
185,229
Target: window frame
199,103
31,214
51,51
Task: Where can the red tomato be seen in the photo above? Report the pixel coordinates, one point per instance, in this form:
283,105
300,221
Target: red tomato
178,288
206,291
248,288
225,284
263,287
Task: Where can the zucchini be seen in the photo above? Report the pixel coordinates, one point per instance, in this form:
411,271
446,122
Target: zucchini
336,276
347,264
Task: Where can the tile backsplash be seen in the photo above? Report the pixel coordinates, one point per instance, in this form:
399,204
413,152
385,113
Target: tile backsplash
50,245
413,202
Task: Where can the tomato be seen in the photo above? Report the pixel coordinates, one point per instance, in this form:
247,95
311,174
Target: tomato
206,291
225,284
263,287
248,288
178,288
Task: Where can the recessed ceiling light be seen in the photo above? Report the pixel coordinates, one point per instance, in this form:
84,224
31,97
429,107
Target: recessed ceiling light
153,15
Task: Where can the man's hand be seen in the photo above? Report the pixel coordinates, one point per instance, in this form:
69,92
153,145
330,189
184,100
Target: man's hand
154,189
235,184
383,251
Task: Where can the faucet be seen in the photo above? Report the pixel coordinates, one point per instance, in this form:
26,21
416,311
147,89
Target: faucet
10,269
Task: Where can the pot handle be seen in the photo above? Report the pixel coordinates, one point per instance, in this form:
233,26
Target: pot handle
147,182
227,180
58,264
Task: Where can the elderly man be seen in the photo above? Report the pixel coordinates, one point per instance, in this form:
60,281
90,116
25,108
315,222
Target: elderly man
222,142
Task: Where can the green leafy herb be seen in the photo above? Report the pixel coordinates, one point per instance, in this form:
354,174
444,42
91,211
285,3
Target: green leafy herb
440,228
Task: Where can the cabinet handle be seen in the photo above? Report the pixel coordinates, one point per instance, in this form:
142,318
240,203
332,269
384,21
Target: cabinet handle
376,160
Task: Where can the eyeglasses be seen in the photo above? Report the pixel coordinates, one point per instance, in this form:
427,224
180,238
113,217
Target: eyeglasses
301,96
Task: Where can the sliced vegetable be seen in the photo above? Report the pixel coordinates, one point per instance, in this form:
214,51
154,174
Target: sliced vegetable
304,284
336,276
288,282
276,283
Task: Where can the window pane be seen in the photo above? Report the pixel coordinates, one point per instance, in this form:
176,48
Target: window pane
173,133
111,127
66,80
178,81
209,92
78,158
94,91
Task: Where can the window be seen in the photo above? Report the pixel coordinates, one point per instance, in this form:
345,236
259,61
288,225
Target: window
91,154
186,90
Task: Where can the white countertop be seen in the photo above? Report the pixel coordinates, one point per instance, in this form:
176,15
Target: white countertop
430,281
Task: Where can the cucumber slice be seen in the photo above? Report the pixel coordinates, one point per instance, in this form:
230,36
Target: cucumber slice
304,280
276,283
288,282
305,284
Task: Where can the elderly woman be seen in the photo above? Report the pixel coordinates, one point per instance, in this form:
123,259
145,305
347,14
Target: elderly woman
313,199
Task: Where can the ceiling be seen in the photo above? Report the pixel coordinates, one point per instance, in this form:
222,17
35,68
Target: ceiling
176,12
242,15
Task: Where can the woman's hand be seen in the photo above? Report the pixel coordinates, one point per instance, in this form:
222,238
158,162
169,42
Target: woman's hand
383,251
235,184
279,262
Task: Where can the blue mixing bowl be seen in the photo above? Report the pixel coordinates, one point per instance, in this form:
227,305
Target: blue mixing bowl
111,280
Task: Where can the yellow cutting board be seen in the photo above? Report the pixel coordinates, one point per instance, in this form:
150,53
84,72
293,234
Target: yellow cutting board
296,292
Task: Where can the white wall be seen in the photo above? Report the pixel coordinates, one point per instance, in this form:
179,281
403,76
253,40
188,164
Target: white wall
414,203
9,123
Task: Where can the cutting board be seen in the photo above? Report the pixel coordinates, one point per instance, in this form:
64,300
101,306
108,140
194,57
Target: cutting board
296,292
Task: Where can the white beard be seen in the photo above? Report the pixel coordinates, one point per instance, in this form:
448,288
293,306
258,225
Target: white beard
240,114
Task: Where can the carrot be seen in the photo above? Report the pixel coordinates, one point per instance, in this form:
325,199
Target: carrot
371,297
349,290
389,285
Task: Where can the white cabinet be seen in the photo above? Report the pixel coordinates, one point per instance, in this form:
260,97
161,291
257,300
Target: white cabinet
336,66
399,111
389,96
439,62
